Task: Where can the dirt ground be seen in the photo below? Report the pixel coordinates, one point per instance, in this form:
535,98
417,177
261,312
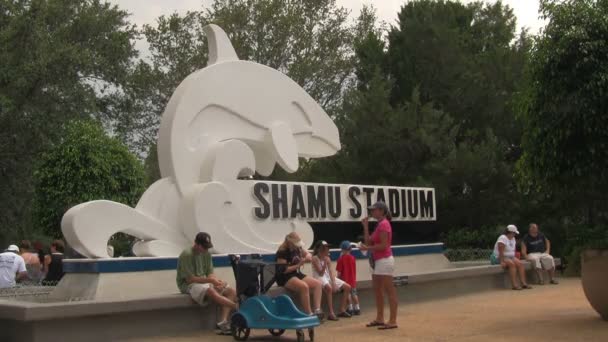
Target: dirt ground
545,313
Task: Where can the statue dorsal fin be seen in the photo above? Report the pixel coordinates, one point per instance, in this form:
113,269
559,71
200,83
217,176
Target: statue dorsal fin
220,47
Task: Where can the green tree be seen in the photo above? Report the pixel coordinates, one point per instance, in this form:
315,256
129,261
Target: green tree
564,108
468,62
60,60
85,165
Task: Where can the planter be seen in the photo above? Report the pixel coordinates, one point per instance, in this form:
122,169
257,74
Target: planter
594,273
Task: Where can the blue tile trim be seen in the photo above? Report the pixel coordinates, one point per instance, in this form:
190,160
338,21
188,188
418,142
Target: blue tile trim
158,264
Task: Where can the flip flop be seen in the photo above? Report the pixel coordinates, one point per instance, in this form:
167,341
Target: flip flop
374,324
517,288
332,318
387,327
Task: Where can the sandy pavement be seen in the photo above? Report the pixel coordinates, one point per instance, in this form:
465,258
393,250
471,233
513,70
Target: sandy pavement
545,313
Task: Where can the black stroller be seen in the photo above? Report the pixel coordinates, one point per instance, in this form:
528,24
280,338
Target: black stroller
254,277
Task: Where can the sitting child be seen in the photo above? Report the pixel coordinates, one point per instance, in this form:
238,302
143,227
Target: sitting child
321,270
347,271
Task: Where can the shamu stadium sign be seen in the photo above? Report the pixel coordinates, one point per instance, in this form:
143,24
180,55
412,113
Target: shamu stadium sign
339,202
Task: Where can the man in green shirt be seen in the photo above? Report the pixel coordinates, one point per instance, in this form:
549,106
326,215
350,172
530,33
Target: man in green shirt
195,277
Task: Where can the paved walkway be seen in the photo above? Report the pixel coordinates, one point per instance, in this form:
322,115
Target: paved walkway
545,313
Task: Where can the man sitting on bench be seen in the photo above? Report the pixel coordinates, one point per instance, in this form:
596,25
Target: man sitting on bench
195,277
536,248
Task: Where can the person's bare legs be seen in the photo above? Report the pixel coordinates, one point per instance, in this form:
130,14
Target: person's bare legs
379,294
539,274
345,297
512,273
522,271
329,294
316,288
551,272
227,301
393,301
301,288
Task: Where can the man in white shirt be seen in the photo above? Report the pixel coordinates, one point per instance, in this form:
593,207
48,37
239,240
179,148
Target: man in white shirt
12,267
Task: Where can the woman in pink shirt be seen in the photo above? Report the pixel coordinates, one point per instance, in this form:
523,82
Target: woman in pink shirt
383,264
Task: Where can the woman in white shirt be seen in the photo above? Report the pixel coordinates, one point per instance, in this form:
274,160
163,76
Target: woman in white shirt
504,255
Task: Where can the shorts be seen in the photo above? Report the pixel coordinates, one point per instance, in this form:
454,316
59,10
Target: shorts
282,279
384,266
494,259
198,293
541,260
326,281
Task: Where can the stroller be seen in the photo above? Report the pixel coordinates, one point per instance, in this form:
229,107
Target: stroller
254,277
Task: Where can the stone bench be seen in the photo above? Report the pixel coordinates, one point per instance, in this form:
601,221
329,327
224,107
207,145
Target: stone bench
105,304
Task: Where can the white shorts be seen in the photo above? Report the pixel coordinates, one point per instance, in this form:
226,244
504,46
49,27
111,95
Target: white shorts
384,266
198,292
326,281
541,260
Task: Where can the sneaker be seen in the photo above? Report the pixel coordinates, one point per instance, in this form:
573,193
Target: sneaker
356,312
319,313
224,327
554,282
345,314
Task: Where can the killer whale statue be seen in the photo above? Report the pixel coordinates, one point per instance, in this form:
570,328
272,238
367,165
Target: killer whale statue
226,121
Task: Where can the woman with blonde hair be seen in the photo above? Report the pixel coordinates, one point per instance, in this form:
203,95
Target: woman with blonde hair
293,256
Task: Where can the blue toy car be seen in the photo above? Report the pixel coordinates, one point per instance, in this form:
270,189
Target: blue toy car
258,311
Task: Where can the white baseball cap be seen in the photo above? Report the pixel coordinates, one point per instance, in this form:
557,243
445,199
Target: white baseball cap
13,248
513,229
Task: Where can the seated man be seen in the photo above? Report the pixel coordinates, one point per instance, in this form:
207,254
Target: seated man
536,248
195,277
12,267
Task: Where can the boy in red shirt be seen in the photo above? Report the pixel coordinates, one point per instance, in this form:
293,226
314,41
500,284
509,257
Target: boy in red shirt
347,271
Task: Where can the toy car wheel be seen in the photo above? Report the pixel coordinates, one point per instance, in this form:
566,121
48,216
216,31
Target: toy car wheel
311,334
300,336
276,332
240,332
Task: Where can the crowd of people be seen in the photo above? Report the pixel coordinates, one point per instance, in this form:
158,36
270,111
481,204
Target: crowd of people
195,270
31,264
195,274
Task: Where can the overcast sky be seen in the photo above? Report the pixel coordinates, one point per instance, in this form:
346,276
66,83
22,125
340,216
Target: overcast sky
145,11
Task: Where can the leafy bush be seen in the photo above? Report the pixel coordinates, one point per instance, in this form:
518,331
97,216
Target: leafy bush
467,238
581,239
85,165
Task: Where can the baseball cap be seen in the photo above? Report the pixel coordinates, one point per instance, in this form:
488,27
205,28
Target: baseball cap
203,239
345,245
511,228
379,205
13,248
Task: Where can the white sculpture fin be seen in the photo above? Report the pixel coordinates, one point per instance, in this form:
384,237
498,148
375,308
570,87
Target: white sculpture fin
89,226
284,146
220,47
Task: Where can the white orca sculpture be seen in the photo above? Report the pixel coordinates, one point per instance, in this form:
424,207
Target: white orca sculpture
228,120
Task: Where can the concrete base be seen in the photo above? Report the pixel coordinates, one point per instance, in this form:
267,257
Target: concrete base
135,285
166,315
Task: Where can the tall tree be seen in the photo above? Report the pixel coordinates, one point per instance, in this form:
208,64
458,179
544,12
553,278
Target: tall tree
564,108
61,59
468,62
